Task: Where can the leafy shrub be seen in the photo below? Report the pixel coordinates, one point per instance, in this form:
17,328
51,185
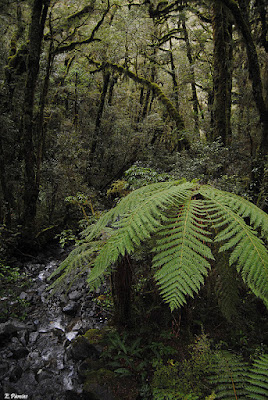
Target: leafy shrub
186,380
138,176
12,282
234,377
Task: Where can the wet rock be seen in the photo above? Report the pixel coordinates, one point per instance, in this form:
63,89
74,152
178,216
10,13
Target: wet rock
41,357
10,327
75,295
82,349
19,352
15,373
4,367
26,384
24,296
33,337
71,308
43,375
23,337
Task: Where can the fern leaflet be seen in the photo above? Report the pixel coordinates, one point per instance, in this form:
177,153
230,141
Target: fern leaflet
138,223
181,254
258,379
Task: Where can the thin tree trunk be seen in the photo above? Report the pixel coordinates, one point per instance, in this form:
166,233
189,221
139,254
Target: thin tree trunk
141,104
192,74
106,80
5,212
111,89
146,104
31,189
40,128
222,78
174,76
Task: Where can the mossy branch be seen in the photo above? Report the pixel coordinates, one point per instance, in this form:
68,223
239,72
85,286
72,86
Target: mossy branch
174,114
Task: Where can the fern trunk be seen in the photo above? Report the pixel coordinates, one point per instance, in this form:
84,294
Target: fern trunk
121,290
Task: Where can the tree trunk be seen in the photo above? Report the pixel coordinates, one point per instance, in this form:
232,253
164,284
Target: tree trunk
106,80
193,86
242,22
40,128
122,288
174,76
111,89
5,211
222,77
146,104
31,189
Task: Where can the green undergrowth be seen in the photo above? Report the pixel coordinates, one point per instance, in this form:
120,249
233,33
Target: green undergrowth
164,365
12,283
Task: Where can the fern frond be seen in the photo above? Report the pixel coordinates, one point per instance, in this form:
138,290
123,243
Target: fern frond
229,376
258,379
133,200
226,287
138,221
78,261
181,254
257,217
180,217
248,252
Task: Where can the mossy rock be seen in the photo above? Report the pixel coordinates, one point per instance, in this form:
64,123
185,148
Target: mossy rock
87,366
98,384
82,349
98,376
94,336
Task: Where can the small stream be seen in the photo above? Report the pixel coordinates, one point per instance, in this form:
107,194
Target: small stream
36,359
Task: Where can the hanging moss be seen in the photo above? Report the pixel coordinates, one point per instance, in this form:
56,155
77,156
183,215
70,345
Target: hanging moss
17,60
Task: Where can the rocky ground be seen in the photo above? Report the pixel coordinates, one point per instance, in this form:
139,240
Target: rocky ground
39,356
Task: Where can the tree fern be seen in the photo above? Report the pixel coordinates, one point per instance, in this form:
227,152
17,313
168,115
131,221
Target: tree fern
182,254
228,376
257,387
141,216
183,219
233,378
241,206
248,251
226,287
77,263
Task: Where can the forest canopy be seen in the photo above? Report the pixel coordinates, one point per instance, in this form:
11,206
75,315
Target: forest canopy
90,88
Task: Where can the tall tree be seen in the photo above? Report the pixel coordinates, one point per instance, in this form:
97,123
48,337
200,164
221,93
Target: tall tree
222,73
242,21
192,73
36,34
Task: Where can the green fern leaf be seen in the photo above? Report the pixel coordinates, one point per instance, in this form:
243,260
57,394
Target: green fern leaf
248,252
181,218
181,254
226,287
78,261
139,223
244,208
135,199
258,379
229,374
